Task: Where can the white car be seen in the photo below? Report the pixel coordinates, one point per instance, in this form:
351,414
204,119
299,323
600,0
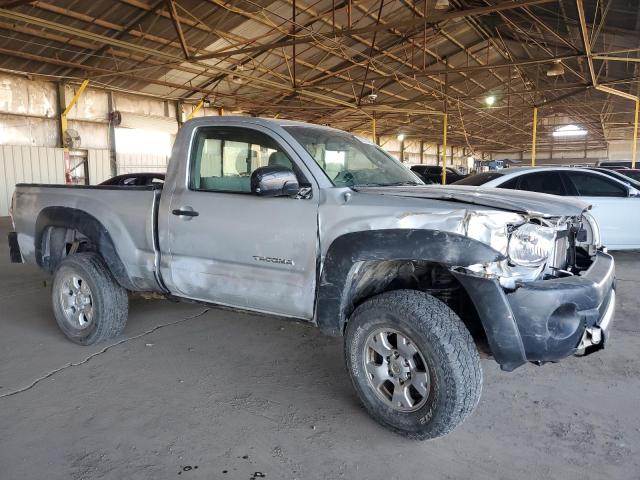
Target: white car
615,204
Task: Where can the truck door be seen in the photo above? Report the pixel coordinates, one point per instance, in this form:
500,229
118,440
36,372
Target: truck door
228,246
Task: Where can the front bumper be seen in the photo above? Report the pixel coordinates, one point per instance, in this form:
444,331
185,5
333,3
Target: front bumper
546,320
14,248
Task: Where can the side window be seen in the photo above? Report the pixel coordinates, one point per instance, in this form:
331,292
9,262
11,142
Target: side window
542,182
588,185
510,184
223,158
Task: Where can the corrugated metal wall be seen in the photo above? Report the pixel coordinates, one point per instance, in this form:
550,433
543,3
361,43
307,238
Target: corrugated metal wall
141,162
99,166
23,164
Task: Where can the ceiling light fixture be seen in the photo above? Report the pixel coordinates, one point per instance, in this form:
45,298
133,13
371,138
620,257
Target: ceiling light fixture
401,137
490,100
556,69
569,131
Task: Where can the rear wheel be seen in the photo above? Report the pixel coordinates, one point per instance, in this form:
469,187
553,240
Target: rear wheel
413,363
88,304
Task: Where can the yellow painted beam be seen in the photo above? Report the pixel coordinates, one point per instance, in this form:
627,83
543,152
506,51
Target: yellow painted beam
64,125
196,110
634,151
534,135
373,129
74,100
444,148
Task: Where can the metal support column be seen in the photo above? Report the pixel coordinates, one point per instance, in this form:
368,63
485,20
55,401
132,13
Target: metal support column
444,148
293,50
534,134
178,105
113,158
634,151
64,126
373,128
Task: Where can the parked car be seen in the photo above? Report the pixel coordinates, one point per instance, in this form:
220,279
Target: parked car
433,173
136,179
614,164
632,173
315,224
614,201
619,174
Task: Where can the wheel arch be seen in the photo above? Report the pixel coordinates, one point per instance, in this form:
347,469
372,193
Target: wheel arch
362,264
53,226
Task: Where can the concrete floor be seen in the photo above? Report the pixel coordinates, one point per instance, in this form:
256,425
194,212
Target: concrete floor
191,393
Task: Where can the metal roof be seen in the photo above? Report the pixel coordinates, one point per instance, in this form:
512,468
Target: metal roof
342,62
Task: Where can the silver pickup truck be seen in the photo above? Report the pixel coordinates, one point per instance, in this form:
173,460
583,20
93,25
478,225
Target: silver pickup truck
313,223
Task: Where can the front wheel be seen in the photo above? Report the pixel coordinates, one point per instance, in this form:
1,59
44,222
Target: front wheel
413,363
88,303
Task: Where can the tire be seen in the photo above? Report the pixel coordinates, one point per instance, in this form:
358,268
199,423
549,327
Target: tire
438,386
88,304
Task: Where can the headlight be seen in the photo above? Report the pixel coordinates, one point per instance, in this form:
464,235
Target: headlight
530,245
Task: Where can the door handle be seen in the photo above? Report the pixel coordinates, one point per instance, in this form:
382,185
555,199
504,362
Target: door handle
185,212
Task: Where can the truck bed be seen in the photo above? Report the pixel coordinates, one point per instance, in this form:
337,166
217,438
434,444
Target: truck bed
127,214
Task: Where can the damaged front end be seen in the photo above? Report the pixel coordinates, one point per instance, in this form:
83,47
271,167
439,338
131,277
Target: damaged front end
533,247
551,294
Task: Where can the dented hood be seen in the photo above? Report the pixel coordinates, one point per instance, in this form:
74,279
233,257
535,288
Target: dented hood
512,200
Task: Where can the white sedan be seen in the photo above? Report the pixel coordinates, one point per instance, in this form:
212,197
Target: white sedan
615,204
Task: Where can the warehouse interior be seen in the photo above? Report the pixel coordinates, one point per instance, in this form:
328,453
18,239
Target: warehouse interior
91,90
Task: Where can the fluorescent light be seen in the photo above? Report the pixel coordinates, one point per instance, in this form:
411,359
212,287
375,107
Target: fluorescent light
401,137
490,100
569,131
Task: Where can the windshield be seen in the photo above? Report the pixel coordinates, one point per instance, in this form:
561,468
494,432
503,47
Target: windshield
351,161
478,179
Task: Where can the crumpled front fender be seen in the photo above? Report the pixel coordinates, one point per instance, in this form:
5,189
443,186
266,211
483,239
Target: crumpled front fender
445,248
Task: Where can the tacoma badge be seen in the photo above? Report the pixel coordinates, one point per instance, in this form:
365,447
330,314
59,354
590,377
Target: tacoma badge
284,261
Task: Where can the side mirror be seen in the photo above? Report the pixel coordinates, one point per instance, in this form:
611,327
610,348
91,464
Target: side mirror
633,192
274,181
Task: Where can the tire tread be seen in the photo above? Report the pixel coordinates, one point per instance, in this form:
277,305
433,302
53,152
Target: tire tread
435,320
113,297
